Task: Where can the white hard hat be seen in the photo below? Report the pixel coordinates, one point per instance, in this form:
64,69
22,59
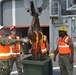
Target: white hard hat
1,27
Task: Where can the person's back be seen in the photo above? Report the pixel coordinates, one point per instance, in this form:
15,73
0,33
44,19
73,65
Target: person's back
5,55
44,45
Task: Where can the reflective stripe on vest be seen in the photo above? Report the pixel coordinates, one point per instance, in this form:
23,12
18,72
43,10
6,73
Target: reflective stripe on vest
43,48
5,55
5,52
63,48
18,53
15,49
44,51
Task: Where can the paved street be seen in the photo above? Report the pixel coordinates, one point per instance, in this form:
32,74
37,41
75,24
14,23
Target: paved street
56,70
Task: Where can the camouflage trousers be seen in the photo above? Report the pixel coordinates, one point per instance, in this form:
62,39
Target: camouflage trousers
4,67
18,64
66,68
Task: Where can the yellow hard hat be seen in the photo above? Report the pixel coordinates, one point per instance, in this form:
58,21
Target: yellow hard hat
63,28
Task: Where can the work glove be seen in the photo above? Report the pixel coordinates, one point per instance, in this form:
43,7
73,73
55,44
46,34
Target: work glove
51,54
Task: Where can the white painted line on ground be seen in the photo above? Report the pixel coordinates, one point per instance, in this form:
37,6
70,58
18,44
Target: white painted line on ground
54,68
14,72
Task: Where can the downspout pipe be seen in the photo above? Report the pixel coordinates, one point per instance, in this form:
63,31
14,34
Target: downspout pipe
13,13
1,7
51,43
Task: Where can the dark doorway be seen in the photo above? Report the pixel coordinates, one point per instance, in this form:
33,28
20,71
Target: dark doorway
22,32
46,31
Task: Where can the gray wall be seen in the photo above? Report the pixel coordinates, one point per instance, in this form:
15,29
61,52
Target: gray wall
7,13
22,16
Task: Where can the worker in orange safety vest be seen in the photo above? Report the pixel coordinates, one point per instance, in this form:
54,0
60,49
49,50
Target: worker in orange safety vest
16,49
44,46
66,52
5,56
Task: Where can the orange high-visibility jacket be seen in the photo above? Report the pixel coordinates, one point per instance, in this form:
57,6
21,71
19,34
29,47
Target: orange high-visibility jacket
5,52
15,48
63,47
43,48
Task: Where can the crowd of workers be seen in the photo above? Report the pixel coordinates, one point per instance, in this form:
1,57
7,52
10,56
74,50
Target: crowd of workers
11,48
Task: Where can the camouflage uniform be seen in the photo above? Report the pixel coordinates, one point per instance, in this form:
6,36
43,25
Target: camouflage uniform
16,48
6,41
66,68
4,63
4,67
18,64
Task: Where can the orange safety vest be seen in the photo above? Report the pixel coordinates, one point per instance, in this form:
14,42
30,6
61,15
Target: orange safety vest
43,48
63,47
35,49
5,52
15,48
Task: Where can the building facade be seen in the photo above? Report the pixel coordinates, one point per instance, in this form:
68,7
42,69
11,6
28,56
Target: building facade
13,12
59,12
62,12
